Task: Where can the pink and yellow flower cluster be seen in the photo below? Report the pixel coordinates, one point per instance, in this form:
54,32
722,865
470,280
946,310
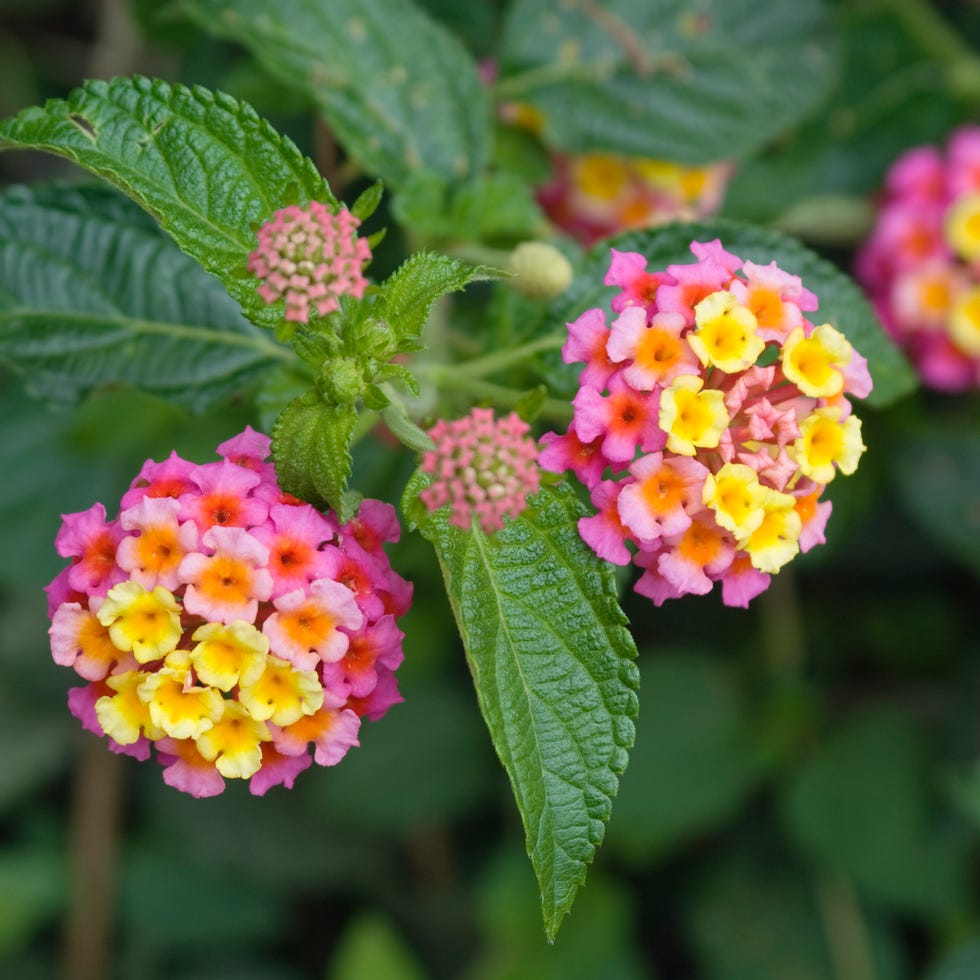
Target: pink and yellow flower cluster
921,264
599,194
227,623
710,416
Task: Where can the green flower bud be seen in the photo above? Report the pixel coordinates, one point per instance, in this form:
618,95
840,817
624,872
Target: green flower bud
341,380
540,270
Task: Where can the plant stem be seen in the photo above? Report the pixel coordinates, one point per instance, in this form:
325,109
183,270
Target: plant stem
937,37
845,929
94,834
782,626
451,379
498,360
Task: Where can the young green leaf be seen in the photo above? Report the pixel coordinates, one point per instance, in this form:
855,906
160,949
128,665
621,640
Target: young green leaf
409,292
400,92
842,302
92,293
552,663
660,78
311,449
202,163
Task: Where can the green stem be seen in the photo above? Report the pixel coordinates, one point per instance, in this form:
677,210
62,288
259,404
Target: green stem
450,379
491,363
782,626
845,929
402,427
937,37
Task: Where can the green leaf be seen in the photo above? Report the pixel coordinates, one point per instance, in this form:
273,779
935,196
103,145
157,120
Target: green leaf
962,963
937,472
91,293
842,302
311,448
860,806
370,948
409,292
202,163
551,660
665,78
496,207
398,90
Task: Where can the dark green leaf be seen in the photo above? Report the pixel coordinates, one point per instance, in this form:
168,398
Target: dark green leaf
371,948
416,284
202,163
311,448
937,473
551,661
401,93
491,207
91,293
860,806
842,302
665,78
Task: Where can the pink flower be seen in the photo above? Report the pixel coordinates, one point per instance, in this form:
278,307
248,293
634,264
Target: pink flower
216,614
484,468
701,465
310,257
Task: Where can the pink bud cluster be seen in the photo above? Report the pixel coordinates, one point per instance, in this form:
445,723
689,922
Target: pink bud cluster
482,467
711,414
598,194
921,264
227,623
310,257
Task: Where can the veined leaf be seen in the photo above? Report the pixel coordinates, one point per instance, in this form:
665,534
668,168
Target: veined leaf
417,283
202,163
401,93
92,293
552,664
842,302
666,78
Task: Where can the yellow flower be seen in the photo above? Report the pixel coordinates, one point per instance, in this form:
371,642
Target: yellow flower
234,742
776,540
229,654
813,363
737,498
691,417
147,623
964,322
178,708
824,441
963,227
282,694
726,336
123,715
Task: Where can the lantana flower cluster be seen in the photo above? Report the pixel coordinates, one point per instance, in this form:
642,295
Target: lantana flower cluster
597,195
483,467
710,416
238,630
921,264
310,257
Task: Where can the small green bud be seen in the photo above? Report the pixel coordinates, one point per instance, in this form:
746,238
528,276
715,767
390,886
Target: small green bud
341,380
540,270
374,337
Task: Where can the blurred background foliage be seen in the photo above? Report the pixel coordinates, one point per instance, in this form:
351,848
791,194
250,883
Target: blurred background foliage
803,802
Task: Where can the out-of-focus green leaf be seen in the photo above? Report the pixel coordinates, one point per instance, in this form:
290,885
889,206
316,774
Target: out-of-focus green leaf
860,807
937,473
963,963
491,207
751,921
842,302
32,752
551,661
693,761
401,93
599,944
32,892
429,753
202,163
91,293
371,949
665,78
